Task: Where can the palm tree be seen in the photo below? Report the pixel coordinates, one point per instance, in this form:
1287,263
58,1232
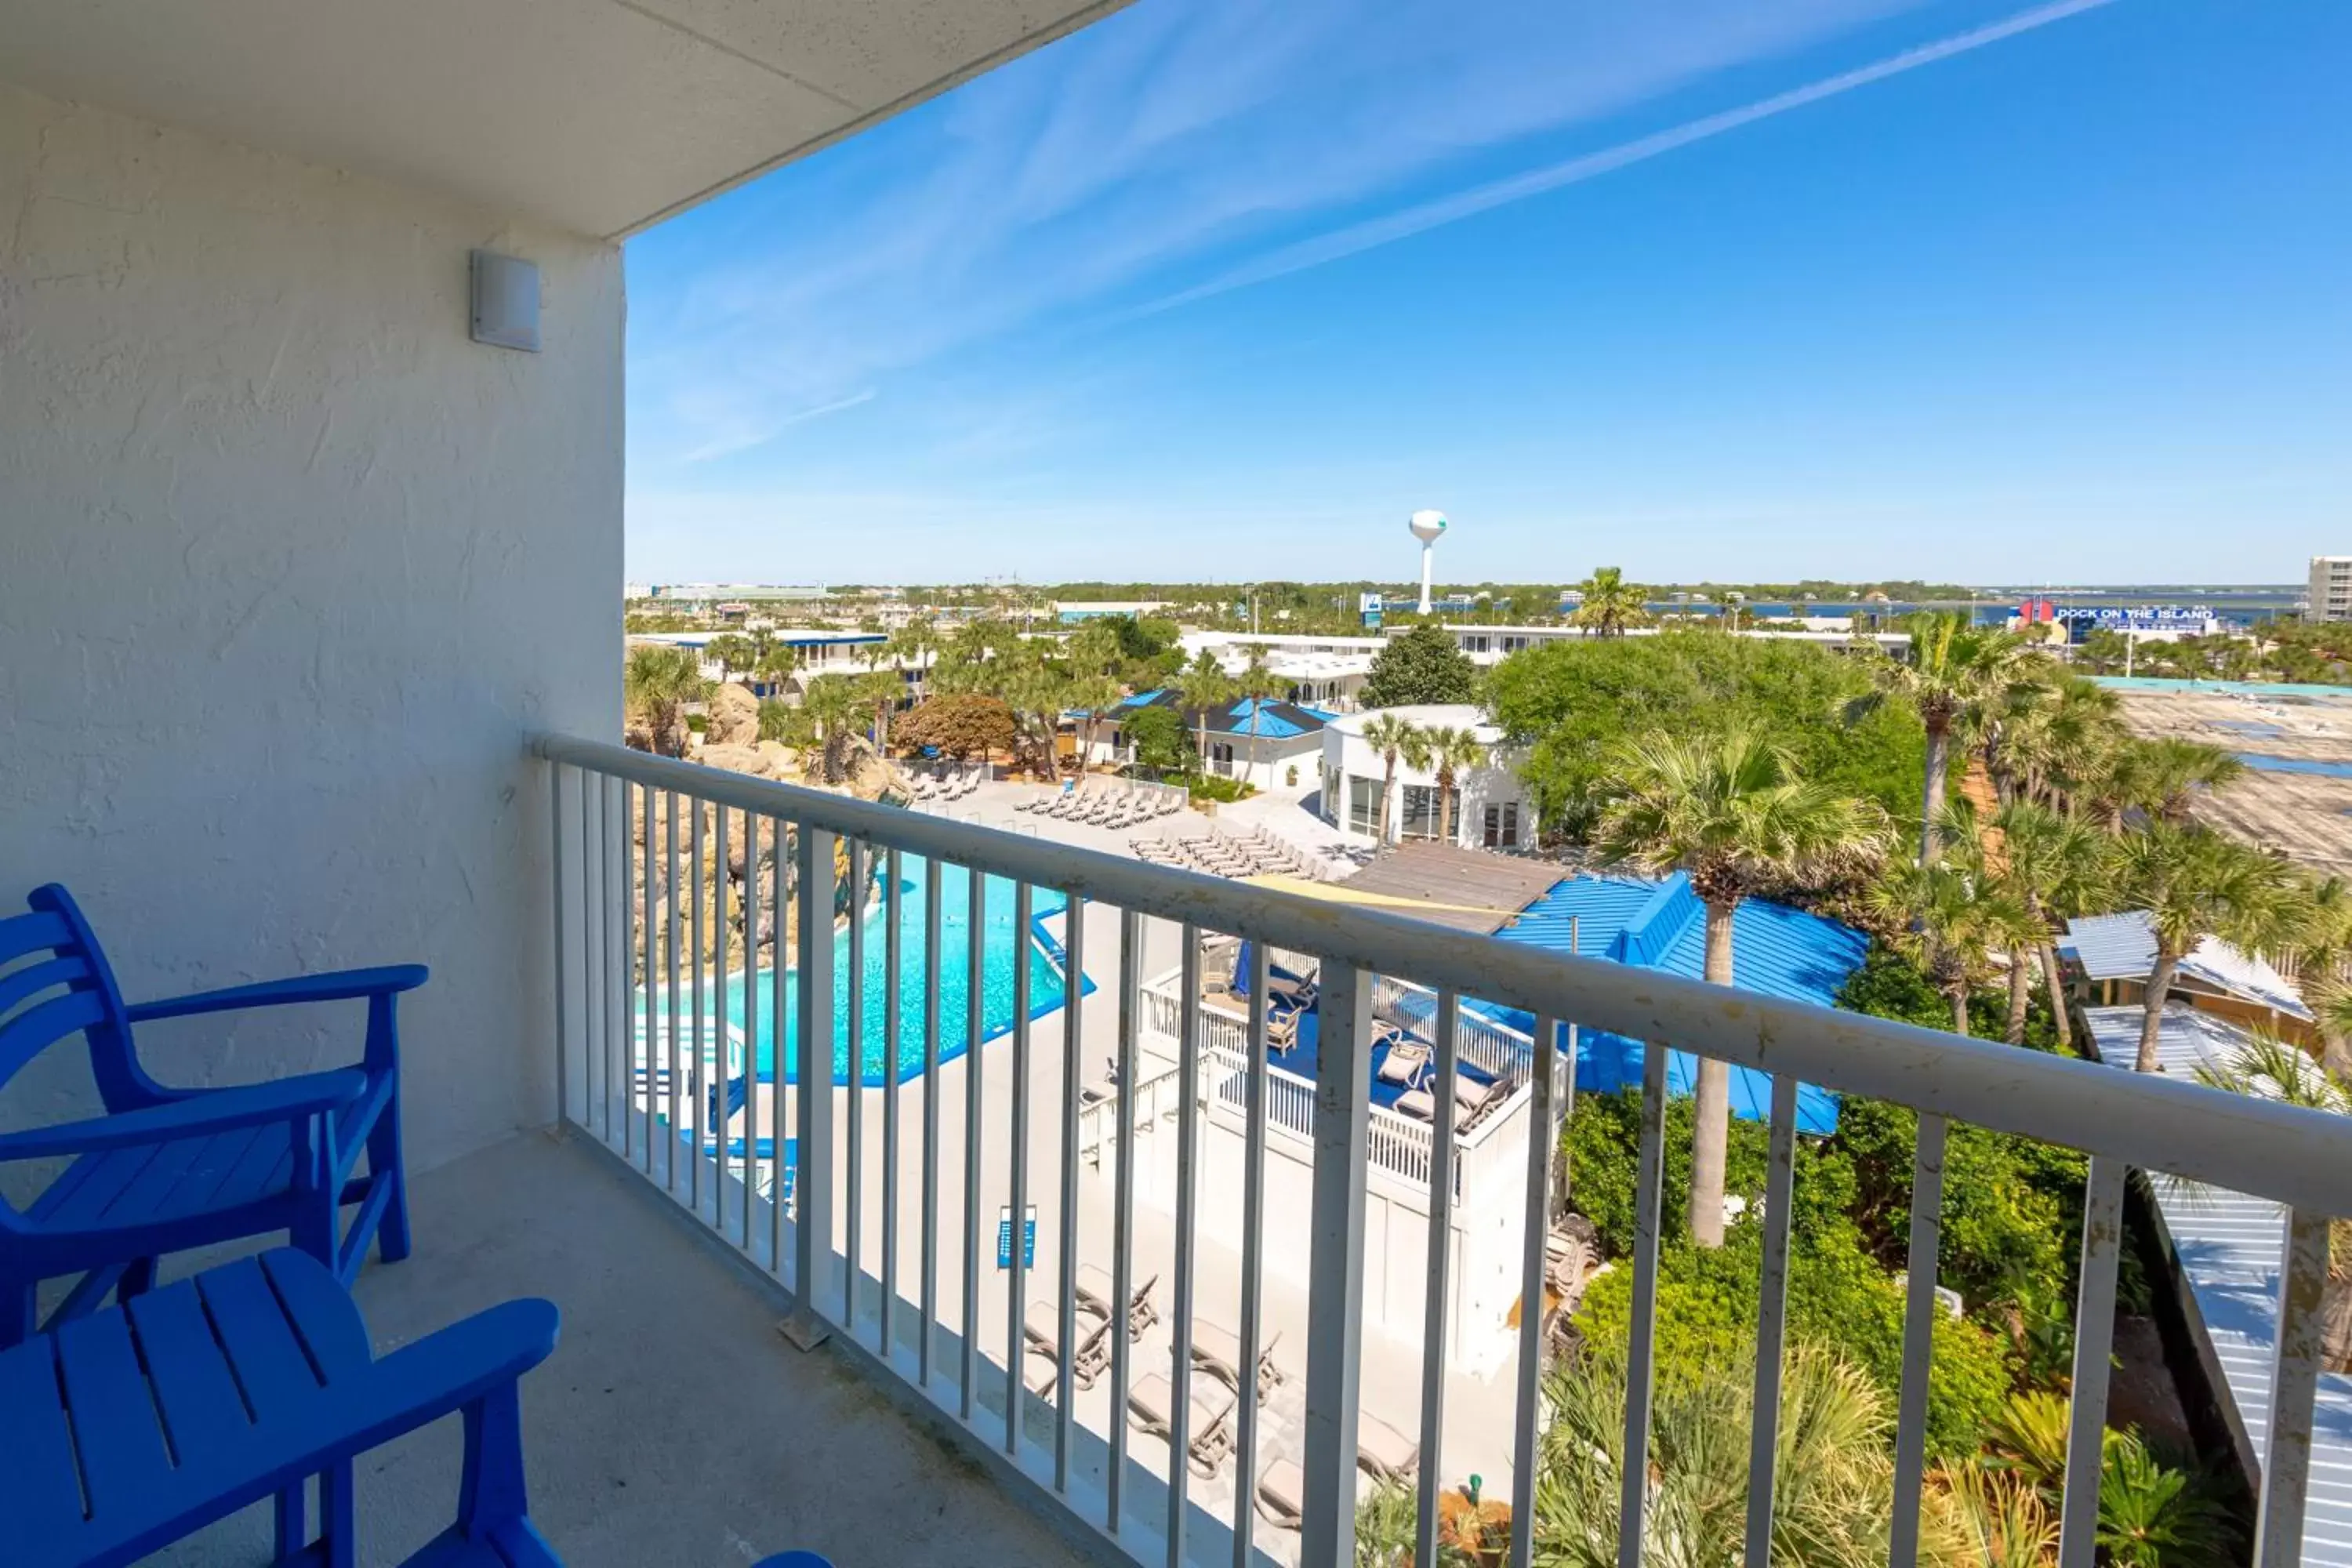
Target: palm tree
1390,735
2195,883
880,690
1036,692
1256,684
834,704
1957,674
1950,918
774,666
730,652
2057,867
2162,778
1833,1481
1200,686
963,661
1611,603
2050,741
1094,659
2322,945
913,645
1732,812
1445,750
659,682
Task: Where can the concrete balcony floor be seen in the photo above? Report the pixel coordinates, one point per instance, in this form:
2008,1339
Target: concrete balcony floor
673,1425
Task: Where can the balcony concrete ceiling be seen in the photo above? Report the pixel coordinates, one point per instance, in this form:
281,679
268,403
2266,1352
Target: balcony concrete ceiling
600,116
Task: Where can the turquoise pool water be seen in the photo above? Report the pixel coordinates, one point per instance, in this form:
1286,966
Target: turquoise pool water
2263,763
1001,947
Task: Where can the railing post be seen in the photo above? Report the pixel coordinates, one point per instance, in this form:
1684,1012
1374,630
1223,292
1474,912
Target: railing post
558,852
1343,1107
2294,1385
812,1101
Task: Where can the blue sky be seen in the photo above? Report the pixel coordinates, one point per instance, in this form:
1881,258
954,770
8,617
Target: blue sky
1225,288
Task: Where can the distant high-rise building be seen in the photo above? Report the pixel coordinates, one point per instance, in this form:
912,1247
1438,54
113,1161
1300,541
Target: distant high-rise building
2331,588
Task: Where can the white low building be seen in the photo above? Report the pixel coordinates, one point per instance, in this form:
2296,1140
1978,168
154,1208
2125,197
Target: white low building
1269,745
1326,672
1496,811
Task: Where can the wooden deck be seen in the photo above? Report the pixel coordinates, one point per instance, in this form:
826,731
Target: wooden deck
1467,888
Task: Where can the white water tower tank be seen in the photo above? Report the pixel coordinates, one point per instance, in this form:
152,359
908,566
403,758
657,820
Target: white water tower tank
1427,524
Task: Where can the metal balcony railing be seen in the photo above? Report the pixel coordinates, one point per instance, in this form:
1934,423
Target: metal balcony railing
857,1121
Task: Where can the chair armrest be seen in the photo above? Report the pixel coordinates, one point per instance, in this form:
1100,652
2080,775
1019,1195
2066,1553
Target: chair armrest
202,1111
343,985
436,1376
449,1369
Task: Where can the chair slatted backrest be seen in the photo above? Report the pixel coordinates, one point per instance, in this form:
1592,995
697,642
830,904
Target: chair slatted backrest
54,982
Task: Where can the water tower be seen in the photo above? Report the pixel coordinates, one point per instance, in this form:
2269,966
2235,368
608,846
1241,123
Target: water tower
1426,526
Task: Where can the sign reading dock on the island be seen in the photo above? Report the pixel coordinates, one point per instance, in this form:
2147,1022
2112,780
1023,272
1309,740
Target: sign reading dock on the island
1004,1237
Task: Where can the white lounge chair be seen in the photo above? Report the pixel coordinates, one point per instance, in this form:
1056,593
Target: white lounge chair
1095,1291
1041,1328
1405,1062
1282,1494
1217,1351
1383,1452
1208,1426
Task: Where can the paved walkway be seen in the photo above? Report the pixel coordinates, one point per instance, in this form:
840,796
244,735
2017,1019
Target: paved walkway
1292,815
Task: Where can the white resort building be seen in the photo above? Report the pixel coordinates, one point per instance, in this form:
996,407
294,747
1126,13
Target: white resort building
1494,811
1326,672
1270,746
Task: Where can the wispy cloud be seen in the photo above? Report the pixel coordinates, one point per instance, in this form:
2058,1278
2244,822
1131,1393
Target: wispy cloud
1164,139
748,433
1420,218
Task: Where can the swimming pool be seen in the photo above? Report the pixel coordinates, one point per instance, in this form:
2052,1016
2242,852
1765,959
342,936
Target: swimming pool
998,945
2263,763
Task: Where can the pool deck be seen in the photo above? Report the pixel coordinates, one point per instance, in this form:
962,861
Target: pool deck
1479,1410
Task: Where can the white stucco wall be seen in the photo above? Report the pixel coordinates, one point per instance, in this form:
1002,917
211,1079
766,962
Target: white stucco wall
1344,753
288,570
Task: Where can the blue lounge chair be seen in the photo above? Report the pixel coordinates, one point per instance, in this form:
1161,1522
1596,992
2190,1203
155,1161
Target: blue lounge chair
170,1169
128,1429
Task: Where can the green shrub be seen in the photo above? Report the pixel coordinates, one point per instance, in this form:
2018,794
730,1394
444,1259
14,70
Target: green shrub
1838,1295
2005,1249
697,723
2013,1206
1210,786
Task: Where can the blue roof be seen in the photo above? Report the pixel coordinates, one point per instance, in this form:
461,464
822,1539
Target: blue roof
1271,724
1775,950
1276,720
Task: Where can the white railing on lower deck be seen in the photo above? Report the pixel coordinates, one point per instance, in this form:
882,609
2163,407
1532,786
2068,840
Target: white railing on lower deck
1495,1048
896,1274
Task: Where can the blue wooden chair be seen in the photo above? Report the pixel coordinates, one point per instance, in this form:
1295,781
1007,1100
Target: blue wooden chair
170,1169
129,1428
